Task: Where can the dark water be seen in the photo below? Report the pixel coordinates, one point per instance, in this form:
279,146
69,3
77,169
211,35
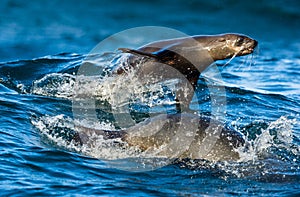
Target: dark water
262,95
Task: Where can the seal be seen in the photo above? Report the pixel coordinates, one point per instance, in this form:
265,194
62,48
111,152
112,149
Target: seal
165,128
189,56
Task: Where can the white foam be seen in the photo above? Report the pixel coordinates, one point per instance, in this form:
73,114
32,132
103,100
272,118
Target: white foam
54,85
260,146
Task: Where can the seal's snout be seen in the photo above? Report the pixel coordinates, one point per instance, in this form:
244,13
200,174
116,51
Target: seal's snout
254,46
248,45
255,43
251,43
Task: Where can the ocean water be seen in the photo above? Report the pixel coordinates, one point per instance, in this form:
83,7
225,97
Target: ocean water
43,45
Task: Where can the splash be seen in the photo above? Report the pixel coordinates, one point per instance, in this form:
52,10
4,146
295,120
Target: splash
55,85
271,152
271,156
106,87
59,130
278,136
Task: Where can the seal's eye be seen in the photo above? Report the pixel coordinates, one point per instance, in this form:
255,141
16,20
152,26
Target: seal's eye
239,41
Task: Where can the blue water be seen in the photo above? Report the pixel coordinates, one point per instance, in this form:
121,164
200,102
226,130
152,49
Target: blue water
42,44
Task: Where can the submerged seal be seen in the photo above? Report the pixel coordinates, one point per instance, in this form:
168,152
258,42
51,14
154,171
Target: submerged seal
189,56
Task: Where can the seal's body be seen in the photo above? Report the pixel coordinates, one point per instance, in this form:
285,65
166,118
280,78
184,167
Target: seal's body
184,59
189,57
200,137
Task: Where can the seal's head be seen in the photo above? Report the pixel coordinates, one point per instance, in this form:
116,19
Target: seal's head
225,46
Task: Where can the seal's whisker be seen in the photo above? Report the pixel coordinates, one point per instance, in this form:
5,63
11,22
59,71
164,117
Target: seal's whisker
247,63
251,61
232,59
234,55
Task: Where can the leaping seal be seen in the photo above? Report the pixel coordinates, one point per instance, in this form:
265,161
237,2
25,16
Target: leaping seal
190,56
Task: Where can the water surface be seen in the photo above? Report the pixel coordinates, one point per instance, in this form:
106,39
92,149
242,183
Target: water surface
42,45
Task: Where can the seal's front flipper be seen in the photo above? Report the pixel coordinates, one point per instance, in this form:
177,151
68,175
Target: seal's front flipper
137,52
